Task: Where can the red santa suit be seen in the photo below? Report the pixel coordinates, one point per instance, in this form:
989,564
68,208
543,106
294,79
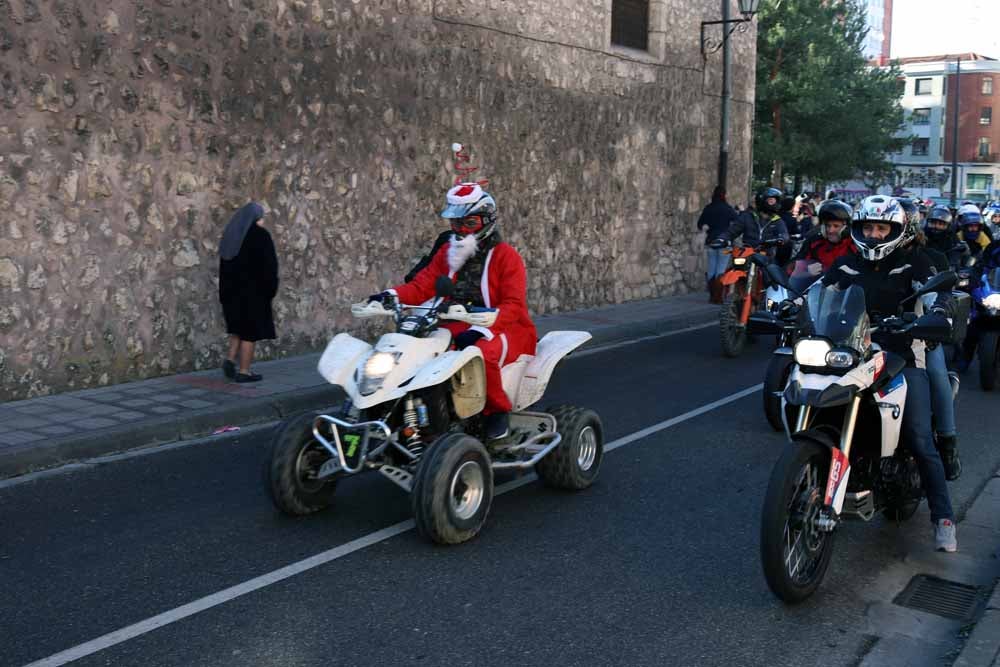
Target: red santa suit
504,286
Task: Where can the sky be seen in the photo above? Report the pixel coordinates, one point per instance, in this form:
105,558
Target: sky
935,27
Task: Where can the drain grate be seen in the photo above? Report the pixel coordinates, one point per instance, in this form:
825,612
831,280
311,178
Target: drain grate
940,596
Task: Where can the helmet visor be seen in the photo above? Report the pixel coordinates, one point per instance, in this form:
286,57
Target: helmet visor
452,211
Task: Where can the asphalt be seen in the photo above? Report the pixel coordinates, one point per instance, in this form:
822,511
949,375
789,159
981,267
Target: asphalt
46,431
656,564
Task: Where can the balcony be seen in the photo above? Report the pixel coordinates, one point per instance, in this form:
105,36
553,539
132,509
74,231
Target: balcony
989,157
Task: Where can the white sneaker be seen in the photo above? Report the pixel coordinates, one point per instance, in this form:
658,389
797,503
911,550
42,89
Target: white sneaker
944,536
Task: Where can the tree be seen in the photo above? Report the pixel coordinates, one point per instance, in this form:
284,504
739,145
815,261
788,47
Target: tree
822,112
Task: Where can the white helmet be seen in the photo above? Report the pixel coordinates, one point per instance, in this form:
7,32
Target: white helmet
887,210
467,200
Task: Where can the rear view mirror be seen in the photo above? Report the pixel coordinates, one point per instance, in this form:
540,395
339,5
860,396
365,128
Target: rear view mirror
938,282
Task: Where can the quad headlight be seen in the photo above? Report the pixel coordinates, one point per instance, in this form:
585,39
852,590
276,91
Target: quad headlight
377,368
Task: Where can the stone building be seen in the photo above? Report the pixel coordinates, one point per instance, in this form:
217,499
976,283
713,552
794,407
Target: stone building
131,129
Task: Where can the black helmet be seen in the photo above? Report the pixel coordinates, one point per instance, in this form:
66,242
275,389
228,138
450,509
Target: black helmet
761,200
939,236
834,210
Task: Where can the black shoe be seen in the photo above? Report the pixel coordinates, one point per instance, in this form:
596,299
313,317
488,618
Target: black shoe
248,377
948,447
229,369
497,425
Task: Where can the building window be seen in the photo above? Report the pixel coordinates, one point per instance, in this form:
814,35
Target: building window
922,87
980,182
983,149
987,85
986,116
921,116
919,147
630,23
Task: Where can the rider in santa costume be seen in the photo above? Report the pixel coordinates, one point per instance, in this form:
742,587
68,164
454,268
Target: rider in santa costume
488,273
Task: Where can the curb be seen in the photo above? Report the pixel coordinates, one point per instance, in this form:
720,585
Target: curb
35,456
983,646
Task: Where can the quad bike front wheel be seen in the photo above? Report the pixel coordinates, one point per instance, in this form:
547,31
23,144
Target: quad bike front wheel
732,335
296,457
452,489
575,462
795,553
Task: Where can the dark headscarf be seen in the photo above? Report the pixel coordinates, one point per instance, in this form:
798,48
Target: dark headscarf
237,228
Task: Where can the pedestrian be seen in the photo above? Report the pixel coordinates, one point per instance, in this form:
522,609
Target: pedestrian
716,219
248,282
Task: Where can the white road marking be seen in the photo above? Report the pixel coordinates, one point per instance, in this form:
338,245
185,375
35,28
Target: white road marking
173,615
632,341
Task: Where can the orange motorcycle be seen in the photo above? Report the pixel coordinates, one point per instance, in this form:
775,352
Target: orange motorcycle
742,294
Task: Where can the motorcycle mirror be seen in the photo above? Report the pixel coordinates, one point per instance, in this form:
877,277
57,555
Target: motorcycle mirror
937,283
444,287
759,260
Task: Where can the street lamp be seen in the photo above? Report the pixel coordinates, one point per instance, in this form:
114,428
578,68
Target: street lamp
709,45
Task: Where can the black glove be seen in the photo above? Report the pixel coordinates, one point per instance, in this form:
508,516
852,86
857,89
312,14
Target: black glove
381,297
467,338
716,244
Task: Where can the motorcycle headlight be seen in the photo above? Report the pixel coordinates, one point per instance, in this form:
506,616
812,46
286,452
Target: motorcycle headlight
840,359
377,368
739,261
992,301
771,303
811,352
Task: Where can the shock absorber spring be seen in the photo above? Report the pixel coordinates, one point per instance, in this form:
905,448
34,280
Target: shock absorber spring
411,423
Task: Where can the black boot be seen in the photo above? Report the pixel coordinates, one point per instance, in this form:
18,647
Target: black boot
948,447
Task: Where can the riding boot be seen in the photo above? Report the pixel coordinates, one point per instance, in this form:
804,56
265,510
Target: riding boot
947,446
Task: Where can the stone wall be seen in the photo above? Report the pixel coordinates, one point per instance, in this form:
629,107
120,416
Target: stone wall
131,129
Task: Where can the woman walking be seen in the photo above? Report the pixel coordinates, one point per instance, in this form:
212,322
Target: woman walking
248,281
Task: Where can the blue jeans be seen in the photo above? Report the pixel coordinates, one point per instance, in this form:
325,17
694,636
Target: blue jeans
942,403
718,262
917,436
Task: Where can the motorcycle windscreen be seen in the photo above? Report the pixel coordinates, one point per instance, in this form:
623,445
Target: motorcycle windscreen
840,316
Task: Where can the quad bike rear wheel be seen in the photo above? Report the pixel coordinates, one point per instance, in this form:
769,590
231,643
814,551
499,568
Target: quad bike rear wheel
296,457
575,462
452,489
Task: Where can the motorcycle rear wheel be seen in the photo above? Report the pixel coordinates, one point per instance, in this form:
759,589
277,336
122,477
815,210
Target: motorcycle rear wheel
988,360
794,552
732,336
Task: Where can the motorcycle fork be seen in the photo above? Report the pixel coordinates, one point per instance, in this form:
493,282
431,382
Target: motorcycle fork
840,469
749,297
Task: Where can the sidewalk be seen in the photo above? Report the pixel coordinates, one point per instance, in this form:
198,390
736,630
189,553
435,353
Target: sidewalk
48,431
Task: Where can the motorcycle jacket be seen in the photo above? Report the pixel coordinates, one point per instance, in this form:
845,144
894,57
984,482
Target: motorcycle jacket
826,253
886,283
755,227
955,251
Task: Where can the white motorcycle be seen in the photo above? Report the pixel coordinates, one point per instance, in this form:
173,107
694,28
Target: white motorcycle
413,414
844,459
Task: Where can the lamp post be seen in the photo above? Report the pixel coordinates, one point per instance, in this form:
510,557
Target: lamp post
709,45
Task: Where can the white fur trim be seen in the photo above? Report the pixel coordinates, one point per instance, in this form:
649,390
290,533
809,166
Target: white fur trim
503,352
484,285
473,190
487,334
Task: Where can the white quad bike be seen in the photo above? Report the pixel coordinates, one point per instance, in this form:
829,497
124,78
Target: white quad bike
413,414
844,458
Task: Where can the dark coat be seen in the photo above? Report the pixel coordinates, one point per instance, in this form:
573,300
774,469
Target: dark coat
247,284
716,219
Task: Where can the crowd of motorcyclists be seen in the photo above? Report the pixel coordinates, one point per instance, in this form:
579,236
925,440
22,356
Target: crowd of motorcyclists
888,246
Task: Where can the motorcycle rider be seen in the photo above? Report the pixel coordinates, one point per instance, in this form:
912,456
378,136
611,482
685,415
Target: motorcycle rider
487,273
834,238
942,397
989,261
971,229
762,224
886,269
939,228
716,219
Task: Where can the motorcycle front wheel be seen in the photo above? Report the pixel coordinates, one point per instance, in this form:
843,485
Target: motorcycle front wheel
732,336
795,553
